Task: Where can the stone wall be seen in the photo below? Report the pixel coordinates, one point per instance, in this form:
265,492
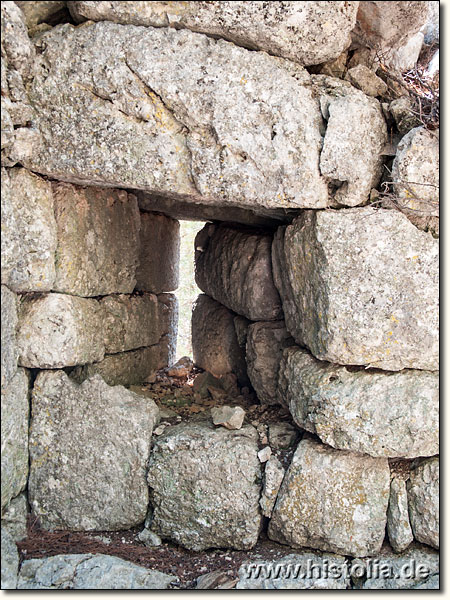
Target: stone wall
276,124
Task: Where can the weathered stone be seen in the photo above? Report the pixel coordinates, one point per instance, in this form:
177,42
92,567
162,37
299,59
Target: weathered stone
376,413
431,28
265,344
10,562
305,32
404,115
282,436
365,80
264,454
14,517
57,330
41,12
423,501
89,447
355,134
230,417
216,580
14,417
336,67
149,538
406,56
273,477
360,286
204,486
130,322
28,232
89,572
234,267
125,368
398,525
10,352
98,240
181,368
214,342
15,41
305,571
159,256
332,500
417,568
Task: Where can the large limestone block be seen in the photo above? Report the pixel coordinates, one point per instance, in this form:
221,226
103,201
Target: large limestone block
89,447
398,525
126,368
423,501
376,413
28,232
14,412
98,240
185,116
159,257
332,500
360,287
89,572
234,267
10,351
130,322
305,32
265,344
205,486
57,330
215,344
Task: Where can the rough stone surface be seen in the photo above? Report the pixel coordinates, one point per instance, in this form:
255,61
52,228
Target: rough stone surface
431,27
423,501
360,286
28,232
10,561
406,56
14,418
125,368
149,539
372,412
89,572
214,341
98,240
305,571
158,269
417,568
57,330
10,351
332,500
230,417
14,517
416,171
89,447
402,109
265,344
398,525
273,476
305,32
234,267
205,486
365,80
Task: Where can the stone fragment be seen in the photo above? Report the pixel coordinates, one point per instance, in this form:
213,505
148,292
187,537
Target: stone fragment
264,454
302,571
355,133
89,572
58,330
205,486
214,341
14,517
265,344
159,256
230,417
332,500
14,428
423,501
273,477
376,413
282,436
365,80
28,232
402,111
10,562
148,537
360,287
234,267
181,368
10,351
124,368
398,525
417,568
93,478
305,32
98,240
